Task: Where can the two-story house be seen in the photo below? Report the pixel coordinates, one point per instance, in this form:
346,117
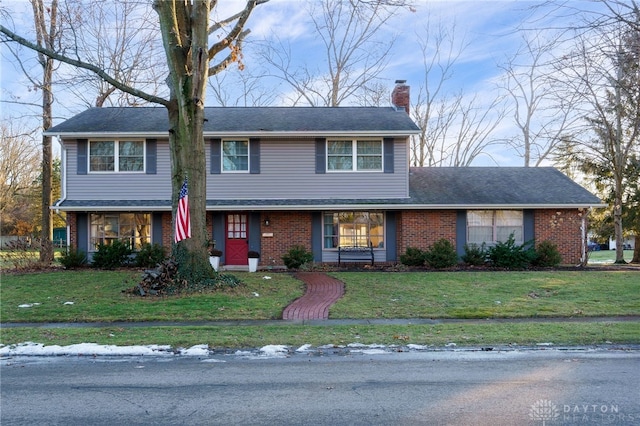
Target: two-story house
318,177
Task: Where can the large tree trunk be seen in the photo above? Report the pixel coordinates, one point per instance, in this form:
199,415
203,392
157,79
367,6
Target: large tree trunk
184,30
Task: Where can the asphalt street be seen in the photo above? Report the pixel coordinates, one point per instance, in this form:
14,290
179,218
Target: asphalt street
517,387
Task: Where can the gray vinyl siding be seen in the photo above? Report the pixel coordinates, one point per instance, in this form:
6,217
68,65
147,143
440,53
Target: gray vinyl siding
288,170
119,186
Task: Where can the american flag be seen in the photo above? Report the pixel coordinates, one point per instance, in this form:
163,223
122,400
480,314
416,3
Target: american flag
183,221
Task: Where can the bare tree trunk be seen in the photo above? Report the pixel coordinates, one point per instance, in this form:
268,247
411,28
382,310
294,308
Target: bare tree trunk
46,38
636,249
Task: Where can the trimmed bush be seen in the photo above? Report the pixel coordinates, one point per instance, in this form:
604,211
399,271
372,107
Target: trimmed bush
413,257
74,258
547,254
474,254
442,254
111,256
150,255
297,256
511,255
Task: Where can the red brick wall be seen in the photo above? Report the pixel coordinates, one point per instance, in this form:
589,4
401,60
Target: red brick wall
422,228
72,222
416,228
288,229
562,227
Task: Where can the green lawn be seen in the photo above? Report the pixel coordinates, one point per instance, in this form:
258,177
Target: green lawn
98,296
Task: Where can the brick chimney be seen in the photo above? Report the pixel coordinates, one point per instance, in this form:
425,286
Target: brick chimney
400,95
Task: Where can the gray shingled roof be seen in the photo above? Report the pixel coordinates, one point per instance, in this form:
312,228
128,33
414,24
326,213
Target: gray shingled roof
437,187
478,186
243,120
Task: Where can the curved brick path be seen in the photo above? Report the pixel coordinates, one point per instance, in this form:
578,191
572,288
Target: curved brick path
322,292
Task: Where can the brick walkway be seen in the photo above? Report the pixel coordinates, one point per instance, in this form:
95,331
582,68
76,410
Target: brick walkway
322,292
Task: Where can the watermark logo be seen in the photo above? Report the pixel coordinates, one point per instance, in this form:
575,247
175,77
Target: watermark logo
545,411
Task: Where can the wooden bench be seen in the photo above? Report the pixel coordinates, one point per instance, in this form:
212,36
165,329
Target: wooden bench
356,254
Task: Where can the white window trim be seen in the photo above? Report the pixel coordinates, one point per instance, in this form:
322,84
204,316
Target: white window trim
354,156
116,156
222,156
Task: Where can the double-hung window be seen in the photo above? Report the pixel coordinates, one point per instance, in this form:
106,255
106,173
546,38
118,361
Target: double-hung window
491,226
354,155
116,156
235,155
353,229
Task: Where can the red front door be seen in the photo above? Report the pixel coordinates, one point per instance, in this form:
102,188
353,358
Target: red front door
237,239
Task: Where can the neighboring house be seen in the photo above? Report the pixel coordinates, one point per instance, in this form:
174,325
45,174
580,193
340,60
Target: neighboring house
317,177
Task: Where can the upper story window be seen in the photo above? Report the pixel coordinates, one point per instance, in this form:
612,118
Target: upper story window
235,155
116,156
354,155
491,226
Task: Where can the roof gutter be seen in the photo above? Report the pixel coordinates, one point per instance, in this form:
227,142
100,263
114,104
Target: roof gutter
261,133
342,206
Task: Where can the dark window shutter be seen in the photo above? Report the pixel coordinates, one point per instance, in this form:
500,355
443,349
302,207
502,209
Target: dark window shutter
216,156
82,156
388,155
321,160
152,156
254,156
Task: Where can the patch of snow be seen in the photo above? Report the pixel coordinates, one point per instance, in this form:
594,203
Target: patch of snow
544,344
304,348
266,277
242,353
68,303
451,345
197,350
417,347
256,294
213,360
81,349
28,305
274,350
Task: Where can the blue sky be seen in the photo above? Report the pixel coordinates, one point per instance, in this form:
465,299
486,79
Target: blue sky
488,26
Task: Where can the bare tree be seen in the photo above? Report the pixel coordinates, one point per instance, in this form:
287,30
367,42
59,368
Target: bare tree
48,33
19,169
192,45
354,53
539,113
240,88
117,36
454,129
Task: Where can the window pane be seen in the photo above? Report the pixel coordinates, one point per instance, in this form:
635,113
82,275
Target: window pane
235,155
339,155
131,156
101,156
369,155
369,148
339,148
369,163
